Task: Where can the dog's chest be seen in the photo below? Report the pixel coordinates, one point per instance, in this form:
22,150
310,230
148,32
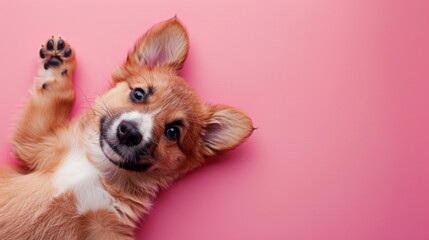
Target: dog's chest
78,175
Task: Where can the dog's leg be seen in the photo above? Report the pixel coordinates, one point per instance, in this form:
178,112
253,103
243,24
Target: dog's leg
51,102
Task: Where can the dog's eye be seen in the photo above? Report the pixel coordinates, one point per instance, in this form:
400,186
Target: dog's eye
172,133
137,95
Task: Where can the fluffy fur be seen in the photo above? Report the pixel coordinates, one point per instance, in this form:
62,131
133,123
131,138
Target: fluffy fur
93,178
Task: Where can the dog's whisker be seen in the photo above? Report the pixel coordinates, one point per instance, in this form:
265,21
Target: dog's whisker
106,107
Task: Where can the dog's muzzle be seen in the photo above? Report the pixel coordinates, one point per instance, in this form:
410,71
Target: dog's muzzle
126,140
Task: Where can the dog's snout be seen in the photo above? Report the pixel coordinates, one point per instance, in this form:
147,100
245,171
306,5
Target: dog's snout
128,134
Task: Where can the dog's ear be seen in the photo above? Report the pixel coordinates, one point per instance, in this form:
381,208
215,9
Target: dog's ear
226,128
164,45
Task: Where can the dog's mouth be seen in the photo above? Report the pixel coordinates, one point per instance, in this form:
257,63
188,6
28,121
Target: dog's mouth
124,144
132,161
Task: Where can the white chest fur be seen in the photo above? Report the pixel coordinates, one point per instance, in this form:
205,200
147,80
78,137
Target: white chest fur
77,174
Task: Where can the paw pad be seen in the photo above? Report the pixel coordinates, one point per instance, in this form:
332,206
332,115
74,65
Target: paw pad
55,52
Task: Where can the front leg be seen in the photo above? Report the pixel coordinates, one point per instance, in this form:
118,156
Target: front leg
48,110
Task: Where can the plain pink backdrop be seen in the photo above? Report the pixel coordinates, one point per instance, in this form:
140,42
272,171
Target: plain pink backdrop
339,91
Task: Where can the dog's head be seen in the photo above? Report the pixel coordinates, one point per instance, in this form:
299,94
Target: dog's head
151,121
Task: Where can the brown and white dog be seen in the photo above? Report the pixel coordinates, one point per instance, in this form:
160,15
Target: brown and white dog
93,178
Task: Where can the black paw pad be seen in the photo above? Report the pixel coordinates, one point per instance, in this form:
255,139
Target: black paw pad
64,72
53,62
42,54
55,53
50,45
67,52
60,45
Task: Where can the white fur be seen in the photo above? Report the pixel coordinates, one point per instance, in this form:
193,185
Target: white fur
78,174
45,74
144,122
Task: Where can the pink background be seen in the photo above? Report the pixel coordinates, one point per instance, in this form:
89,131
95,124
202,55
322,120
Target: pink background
339,90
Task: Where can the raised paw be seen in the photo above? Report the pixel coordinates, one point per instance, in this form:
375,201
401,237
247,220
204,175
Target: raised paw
56,52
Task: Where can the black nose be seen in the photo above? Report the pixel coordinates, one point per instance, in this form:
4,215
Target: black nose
128,134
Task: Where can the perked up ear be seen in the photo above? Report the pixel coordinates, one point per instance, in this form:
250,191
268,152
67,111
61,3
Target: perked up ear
164,45
226,128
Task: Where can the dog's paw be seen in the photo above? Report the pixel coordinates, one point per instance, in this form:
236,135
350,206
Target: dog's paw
55,53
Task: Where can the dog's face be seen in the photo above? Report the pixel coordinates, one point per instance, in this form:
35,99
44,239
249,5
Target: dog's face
152,121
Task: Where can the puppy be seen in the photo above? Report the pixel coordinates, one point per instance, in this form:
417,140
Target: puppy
93,178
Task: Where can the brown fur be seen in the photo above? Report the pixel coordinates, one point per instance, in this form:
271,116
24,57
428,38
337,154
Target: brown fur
30,206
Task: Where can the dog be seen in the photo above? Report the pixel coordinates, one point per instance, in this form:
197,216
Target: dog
96,176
